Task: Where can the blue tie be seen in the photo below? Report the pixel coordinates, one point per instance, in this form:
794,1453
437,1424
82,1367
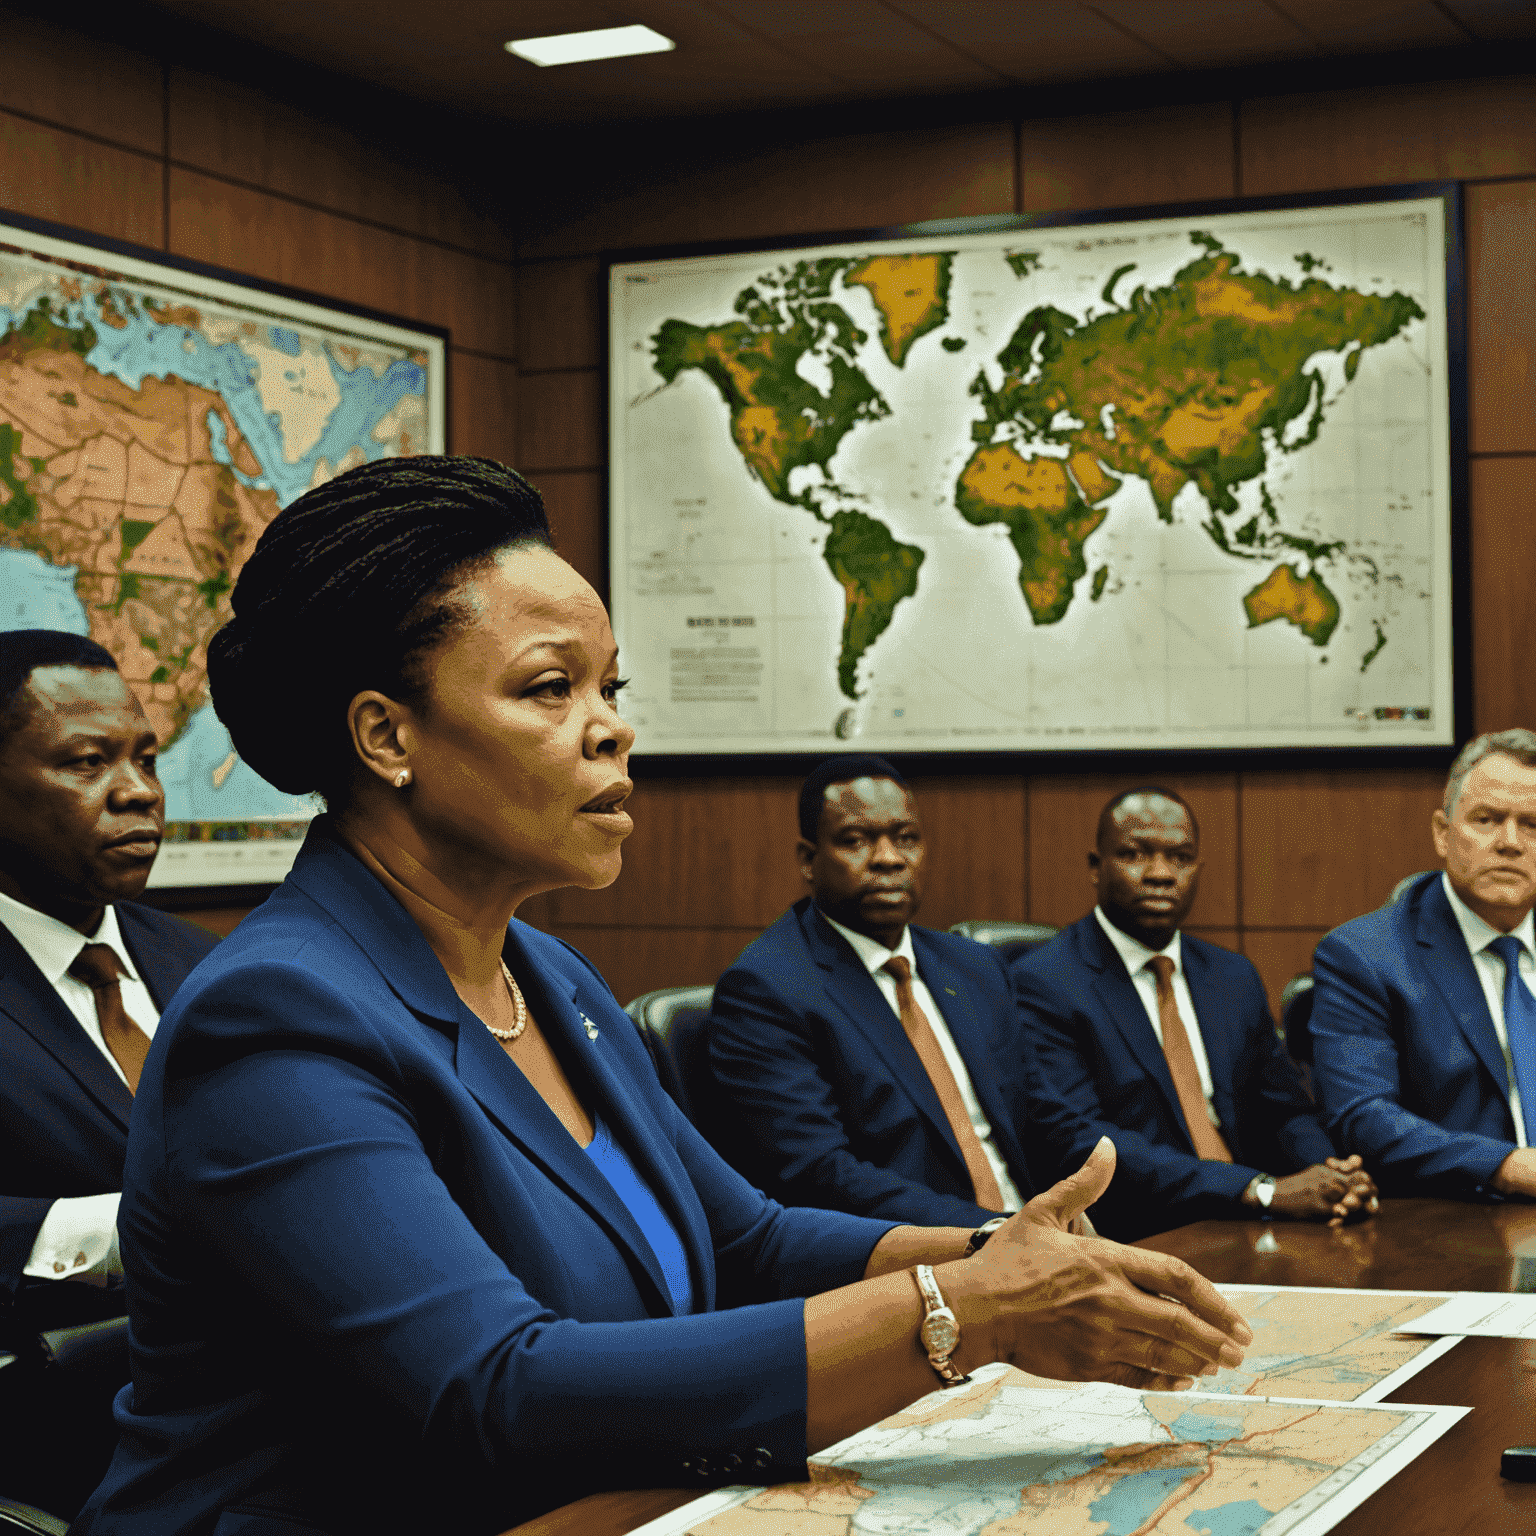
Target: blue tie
1519,1025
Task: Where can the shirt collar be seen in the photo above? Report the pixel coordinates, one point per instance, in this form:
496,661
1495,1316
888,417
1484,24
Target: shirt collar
872,952
1480,934
53,946
1133,952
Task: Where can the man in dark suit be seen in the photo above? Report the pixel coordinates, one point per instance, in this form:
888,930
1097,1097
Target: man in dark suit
1424,1019
1165,1044
863,1064
84,973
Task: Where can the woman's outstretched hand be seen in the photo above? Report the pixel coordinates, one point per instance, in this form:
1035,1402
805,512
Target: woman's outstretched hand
1084,1309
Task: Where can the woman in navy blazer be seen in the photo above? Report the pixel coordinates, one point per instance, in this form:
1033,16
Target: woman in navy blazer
414,1240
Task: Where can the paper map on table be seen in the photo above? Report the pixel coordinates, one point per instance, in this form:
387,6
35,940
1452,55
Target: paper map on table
1482,1314
1334,1345
1013,1454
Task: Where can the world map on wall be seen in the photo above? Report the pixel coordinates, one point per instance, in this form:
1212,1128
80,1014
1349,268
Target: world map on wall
1165,483
151,425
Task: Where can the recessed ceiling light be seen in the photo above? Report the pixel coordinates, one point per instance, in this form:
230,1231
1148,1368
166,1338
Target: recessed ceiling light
580,47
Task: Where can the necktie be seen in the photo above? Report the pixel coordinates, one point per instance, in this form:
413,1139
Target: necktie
1181,1067
99,968
1519,1025
920,1032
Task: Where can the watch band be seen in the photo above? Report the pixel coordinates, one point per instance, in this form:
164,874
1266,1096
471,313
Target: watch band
940,1331
981,1234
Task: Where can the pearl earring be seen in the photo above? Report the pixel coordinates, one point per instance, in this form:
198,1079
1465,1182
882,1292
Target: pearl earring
402,778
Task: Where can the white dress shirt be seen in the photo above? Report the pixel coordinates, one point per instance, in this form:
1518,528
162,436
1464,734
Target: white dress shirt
1135,955
78,1237
1490,972
874,955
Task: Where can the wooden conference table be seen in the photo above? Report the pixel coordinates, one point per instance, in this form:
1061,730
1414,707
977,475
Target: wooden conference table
1428,1245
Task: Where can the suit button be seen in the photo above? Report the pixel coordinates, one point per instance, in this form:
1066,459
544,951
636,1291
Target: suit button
700,1467
732,1463
762,1459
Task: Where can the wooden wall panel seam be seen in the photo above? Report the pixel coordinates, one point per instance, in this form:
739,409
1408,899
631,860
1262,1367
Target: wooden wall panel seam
488,357
55,126
399,231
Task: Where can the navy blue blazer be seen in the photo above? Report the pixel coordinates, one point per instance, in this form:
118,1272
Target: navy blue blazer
374,1284
1404,1056
1099,1071
63,1110
822,1100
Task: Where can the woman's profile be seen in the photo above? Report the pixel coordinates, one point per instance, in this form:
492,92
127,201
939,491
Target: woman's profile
414,1239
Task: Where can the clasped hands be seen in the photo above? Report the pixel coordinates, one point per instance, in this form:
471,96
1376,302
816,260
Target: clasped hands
1336,1190
1073,1308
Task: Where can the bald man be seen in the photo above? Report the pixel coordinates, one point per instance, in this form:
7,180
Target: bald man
1165,1044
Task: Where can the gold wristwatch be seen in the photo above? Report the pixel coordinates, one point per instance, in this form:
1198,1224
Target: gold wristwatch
940,1332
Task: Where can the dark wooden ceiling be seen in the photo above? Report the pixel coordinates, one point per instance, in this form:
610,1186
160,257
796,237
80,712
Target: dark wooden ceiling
777,55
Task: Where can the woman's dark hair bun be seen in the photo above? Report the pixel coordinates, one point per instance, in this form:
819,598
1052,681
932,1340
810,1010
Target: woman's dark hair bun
346,589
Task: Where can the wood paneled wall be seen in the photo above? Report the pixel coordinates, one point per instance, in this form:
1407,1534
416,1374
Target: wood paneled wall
1288,855
153,150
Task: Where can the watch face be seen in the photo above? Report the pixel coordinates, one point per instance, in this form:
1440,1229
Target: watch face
940,1334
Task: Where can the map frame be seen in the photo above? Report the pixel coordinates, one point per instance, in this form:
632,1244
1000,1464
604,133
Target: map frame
206,870
1453,658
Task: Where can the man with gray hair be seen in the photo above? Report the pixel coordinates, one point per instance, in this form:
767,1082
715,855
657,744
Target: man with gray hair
1424,1024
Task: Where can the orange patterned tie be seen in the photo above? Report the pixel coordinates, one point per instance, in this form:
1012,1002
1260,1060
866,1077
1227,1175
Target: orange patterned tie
1181,1066
99,968
920,1032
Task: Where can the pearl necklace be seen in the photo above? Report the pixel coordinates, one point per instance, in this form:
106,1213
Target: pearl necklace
521,1022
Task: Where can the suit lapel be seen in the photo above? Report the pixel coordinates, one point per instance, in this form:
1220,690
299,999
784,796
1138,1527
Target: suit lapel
28,999
332,877
512,1102
1454,974
160,953
857,996
1122,1005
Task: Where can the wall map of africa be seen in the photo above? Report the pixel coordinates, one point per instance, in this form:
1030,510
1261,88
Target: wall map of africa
152,423
1165,483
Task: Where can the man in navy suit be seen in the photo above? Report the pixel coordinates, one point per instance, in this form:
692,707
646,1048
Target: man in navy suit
863,1064
1165,1044
84,973
1424,1021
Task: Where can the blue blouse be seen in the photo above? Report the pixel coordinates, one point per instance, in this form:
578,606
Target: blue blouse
629,1184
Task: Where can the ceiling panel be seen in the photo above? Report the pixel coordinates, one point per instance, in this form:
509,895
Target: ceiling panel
1035,42
1204,34
1375,26
738,55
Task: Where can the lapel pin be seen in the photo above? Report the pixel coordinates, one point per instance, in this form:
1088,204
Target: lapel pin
951,991
591,1027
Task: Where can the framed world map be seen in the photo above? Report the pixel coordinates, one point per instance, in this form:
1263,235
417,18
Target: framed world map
155,416
1165,481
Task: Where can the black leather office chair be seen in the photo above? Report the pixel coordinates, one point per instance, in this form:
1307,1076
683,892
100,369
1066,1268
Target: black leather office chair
16,1518
1295,1013
671,1023
1010,939
1399,890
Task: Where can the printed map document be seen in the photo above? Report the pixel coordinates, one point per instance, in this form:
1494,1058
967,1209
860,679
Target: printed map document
1335,1345
1012,1454
1483,1314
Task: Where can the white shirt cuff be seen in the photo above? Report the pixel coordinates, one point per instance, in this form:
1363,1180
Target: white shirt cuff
78,1241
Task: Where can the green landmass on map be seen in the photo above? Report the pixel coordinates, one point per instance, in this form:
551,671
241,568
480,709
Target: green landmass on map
780,421
1183,384
875,572
1301,599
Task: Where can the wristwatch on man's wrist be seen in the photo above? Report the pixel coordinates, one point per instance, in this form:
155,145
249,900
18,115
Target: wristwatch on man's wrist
981,1234
1261,1190
940,1331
